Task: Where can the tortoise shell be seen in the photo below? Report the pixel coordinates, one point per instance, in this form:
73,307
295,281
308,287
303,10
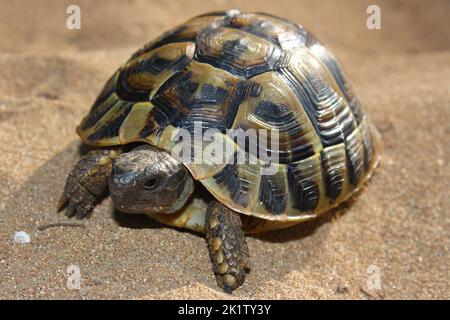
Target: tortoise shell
249,71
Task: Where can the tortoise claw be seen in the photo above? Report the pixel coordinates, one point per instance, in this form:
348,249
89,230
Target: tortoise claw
80,204
62,202
71,209
86,184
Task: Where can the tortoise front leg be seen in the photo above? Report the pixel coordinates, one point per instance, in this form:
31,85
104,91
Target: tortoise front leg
87,182
227,246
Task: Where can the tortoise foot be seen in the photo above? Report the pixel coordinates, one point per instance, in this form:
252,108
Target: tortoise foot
227,246
86,183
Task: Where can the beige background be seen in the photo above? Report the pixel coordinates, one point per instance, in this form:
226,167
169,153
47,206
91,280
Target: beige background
50,76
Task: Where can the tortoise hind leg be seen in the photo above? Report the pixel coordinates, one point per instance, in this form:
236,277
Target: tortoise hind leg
227,246
86,183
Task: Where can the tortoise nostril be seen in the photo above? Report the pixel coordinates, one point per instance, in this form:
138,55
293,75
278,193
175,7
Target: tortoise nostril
151,183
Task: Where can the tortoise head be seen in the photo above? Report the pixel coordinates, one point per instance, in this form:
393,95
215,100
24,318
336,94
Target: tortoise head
149,180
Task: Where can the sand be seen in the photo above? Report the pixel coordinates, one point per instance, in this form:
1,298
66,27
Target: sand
399,224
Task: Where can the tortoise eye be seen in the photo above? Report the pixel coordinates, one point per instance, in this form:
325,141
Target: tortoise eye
151,184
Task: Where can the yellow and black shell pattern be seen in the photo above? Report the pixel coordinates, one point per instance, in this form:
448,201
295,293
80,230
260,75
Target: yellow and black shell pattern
249,71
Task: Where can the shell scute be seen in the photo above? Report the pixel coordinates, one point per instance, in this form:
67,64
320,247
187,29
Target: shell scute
142,75
273,193
334,169
280,32
278,108
305,180
321,99
236,51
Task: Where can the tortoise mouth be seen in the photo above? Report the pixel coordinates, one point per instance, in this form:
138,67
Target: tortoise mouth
140,202
144,207
142,199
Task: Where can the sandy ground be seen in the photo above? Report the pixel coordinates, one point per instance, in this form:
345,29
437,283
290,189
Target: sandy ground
400,223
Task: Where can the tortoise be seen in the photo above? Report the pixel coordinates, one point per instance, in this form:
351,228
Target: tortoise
229,70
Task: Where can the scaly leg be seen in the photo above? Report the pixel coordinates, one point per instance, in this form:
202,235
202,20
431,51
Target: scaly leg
87,182
227,246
